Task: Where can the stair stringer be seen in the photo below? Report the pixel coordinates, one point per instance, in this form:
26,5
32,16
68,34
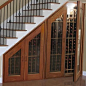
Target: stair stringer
22,34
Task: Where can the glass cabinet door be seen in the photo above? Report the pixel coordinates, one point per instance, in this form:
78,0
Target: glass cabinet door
34,54
77,70
14,64
55,47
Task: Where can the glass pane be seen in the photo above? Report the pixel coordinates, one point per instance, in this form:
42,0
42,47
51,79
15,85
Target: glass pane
70,40
56,44
14,64
34,55
79,41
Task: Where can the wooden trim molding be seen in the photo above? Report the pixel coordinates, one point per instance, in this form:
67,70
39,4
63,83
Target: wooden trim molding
6,3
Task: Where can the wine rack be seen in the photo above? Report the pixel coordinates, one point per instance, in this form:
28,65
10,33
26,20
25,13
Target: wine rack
34,55
15,64
70,42
56,45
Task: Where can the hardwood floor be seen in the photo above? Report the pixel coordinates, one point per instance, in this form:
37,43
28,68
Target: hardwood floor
65,81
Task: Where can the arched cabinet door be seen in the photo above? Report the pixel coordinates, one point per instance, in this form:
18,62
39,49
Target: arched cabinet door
56,44
79,43
14,64
34,54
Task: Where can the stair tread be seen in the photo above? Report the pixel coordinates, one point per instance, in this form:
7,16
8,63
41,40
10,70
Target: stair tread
3,45
10,37
36,9
46,3
13,29
23,22
29,16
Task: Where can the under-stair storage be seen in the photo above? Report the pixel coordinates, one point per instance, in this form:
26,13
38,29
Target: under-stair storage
64,42
50,48
56,44
25,60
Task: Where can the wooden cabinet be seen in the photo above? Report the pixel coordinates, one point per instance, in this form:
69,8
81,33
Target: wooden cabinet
64,42
34,55
79,41
25,60
54,49
56,44
14,64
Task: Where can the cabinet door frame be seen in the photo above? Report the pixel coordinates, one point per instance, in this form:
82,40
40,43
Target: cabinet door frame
10,53
83,6
62,11
27,76
77,75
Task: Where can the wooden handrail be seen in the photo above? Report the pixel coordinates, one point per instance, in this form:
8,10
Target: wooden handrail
6,3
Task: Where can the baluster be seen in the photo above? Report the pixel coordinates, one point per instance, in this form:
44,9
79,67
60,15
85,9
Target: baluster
31,12
22,13
6,20
36,7
39,7
3,24
13,19
25,11
44,4
19,12
33,7
16,13
10,21
28,12
47,4
0,24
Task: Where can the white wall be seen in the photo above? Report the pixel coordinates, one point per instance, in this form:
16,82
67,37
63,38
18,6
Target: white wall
84,60
1,69
2,1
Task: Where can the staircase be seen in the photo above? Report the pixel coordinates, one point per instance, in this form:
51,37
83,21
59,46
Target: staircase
19,17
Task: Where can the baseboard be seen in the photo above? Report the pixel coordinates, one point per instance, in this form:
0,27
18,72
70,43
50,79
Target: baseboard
84,73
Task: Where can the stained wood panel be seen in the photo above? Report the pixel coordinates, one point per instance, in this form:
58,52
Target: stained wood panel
34,54
78,55
55,44
14,64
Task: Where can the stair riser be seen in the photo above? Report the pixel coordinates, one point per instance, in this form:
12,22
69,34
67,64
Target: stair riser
25,19
45,6
8,33
16,26
33,12
3,42
42,1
